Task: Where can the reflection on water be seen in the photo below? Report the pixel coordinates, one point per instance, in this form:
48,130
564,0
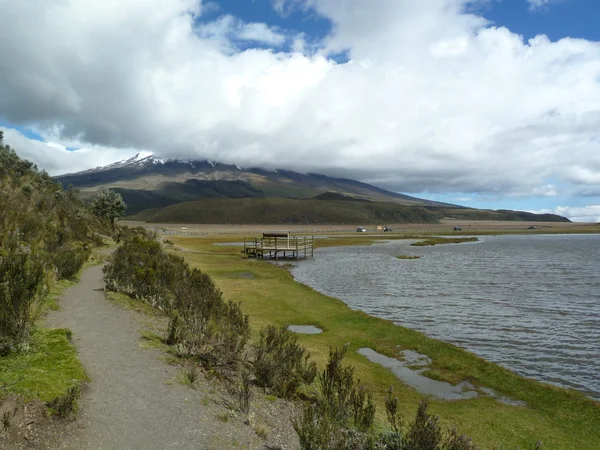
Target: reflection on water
530,303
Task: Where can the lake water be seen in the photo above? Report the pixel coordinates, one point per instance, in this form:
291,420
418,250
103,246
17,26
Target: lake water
529,303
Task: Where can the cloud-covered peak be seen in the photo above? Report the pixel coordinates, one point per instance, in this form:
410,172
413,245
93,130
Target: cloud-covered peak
433,97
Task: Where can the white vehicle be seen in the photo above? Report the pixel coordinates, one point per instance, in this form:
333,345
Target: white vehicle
361,230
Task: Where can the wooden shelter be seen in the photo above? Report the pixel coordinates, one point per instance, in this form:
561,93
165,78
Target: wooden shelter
279,245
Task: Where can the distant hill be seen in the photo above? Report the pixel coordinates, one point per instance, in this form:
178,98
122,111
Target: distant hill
146,181
287,211
500,214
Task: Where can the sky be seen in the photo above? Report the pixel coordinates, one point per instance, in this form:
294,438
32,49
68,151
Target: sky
485,103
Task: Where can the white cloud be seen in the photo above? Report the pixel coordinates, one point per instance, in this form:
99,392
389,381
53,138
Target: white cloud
433,99
538,4
590,213
260,32
227,30
56,159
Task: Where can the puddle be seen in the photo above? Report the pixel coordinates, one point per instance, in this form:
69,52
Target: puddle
505,400
229,244
421,383
304,329
410,372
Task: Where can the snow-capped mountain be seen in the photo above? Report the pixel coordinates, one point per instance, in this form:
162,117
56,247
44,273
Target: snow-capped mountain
147,181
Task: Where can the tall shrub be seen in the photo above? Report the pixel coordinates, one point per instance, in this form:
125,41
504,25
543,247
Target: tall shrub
203,325
140,269
22,285
343,413
281,364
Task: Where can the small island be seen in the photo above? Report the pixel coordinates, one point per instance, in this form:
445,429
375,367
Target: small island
407,257
442,240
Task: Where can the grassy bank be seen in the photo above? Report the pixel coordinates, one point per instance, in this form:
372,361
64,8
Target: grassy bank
50,366
47,371
560,418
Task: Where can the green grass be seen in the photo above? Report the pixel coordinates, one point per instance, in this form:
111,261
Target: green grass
561,418
407,257
442,240
47,370
50,367
127,302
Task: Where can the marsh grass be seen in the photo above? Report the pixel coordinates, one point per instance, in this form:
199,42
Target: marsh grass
561,418
407,257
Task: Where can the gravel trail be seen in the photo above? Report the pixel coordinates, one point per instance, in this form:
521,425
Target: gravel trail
132,401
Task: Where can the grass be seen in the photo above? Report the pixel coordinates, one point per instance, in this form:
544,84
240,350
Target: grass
47,371
127,302
407,257
50,369
443,240
561,418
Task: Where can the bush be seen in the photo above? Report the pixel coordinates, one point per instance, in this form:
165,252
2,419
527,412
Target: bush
242,392
202,325
343,412
140,269
218,340
66,405
22,286
424,433
280,363
68,260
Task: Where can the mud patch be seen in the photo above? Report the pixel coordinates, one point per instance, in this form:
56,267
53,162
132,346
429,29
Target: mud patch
26,425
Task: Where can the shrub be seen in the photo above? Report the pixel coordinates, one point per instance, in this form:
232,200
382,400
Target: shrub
202,325
242,392
140,269
22,286
280,363
342,415
68,260
66,405
424,432
217,340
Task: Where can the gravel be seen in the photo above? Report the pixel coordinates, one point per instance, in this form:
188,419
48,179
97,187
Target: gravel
134,399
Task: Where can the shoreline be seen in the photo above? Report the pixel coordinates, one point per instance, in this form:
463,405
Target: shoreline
445,226
270,295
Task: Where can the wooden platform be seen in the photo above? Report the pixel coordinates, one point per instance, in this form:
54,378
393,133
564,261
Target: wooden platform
279,246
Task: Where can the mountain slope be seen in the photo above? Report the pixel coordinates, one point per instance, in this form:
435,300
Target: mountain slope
146,180
287,211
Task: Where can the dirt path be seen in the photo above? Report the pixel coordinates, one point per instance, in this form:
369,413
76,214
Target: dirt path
131,401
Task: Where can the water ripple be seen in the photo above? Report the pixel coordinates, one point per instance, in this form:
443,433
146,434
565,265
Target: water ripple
530,303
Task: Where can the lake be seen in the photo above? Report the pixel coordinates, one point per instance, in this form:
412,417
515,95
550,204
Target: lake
529,303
